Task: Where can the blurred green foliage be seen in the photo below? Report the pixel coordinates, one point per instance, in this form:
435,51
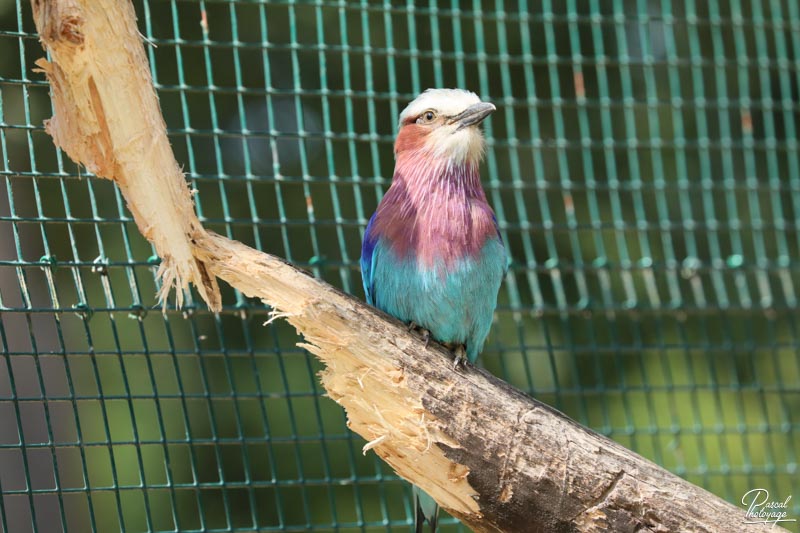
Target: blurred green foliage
644,167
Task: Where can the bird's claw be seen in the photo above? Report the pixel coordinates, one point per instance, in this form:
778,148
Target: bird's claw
460,360
426,335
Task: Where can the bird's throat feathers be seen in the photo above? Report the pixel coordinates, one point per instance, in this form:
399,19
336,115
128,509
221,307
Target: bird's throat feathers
435,211
459,146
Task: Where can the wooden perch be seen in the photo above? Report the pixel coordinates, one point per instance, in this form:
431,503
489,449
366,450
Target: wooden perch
492,456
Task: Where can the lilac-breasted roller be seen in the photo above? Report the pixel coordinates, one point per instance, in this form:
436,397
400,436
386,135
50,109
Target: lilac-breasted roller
432,254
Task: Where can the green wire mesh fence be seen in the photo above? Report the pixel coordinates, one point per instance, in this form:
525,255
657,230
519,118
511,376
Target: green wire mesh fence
643,164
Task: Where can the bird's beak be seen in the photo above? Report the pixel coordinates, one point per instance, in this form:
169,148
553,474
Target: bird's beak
474,114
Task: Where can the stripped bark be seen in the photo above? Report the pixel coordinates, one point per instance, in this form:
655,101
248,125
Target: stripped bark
107,118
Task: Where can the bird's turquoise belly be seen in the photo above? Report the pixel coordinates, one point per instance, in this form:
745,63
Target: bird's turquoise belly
455,303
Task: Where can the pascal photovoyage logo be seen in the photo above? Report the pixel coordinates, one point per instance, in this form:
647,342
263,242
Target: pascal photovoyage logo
762,510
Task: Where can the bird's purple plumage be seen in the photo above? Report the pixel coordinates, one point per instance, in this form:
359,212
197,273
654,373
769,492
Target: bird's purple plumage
436,213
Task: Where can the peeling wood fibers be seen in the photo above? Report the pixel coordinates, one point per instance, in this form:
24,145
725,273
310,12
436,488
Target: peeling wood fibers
107,118
382,400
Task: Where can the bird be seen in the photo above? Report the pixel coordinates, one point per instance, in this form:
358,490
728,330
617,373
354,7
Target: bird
432,254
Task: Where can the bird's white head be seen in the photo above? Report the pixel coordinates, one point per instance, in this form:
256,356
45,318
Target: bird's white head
444,123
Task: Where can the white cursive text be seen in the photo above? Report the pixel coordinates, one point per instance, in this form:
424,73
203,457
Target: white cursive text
761,510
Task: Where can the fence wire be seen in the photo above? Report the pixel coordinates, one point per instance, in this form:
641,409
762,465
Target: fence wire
643,164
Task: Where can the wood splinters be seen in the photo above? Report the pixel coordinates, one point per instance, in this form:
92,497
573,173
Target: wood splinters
458,472
371,444
275,315
361,378
427,433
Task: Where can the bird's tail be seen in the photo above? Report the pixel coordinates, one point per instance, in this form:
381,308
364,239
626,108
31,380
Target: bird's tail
426,508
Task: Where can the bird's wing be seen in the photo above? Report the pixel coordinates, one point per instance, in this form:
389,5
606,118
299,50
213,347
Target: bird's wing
500,238
368,261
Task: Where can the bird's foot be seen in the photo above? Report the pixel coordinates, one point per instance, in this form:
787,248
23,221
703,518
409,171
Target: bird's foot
426,335
460,360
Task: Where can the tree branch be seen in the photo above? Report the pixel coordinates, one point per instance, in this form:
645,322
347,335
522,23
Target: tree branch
492,456
108,119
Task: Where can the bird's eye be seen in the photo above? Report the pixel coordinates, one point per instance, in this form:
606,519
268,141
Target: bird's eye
426,117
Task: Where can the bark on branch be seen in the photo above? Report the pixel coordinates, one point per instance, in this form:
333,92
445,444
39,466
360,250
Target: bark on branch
492,456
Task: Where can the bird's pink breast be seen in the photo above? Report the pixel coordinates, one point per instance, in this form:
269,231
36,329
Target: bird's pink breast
437,214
